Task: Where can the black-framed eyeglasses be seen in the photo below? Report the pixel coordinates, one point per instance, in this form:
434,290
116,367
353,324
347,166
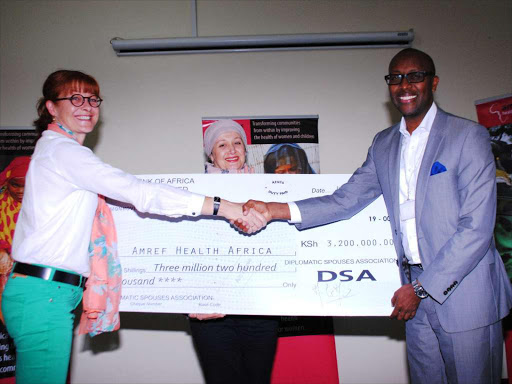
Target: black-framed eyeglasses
412,77
78,100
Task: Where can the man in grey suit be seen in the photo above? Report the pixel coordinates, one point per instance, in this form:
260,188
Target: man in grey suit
437,175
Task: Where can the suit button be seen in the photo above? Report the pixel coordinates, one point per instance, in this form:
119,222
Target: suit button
455,282
445,293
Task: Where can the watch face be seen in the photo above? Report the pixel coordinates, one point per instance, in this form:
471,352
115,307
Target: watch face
419,290
421,293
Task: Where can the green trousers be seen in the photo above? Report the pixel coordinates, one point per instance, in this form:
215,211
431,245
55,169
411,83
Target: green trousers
39,317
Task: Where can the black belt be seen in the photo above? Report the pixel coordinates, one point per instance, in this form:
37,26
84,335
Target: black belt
45,273
416,265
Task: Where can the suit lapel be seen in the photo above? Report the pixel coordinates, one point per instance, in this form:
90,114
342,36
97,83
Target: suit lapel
394,171
434,141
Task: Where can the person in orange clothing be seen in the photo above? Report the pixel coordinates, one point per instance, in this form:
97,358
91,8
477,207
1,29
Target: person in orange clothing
12,186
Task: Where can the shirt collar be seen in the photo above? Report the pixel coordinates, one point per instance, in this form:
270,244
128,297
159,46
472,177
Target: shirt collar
426,123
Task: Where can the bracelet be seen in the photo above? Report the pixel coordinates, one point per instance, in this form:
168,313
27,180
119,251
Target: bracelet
216,205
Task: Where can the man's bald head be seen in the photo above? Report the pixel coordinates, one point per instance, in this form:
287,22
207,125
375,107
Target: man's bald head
426,61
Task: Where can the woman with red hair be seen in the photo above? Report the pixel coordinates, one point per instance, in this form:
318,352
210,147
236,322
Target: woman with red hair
65,232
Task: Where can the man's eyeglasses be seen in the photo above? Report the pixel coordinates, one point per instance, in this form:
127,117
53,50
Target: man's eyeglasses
412,77
78,100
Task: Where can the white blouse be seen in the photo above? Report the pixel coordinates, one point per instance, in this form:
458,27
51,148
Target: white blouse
55,222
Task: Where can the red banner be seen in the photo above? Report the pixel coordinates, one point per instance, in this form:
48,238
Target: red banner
494,111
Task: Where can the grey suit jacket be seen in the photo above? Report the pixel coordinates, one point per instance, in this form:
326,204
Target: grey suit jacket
455,216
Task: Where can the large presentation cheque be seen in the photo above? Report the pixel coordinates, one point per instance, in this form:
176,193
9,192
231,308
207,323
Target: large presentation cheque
200,265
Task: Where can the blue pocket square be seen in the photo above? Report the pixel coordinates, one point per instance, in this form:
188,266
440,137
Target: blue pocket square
437,167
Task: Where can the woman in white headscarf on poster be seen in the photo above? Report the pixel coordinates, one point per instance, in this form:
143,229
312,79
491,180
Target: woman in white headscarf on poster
225,146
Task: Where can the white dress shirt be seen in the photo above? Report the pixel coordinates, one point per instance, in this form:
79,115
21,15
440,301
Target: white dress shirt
411,155
63,181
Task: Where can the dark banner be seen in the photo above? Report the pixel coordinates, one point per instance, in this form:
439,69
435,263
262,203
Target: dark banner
17,144
305,325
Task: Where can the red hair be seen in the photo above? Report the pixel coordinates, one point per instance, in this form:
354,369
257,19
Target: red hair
56,85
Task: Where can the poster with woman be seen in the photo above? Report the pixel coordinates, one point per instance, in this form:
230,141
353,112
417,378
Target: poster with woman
273,144
277,145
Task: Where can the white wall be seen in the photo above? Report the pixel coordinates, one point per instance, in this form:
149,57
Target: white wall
153,106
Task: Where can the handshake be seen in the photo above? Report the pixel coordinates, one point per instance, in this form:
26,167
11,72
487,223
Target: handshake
249,217
253,215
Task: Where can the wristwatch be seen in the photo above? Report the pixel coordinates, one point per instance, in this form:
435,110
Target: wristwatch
419,290
216,205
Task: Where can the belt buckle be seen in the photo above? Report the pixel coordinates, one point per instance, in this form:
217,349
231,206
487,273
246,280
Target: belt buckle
47,273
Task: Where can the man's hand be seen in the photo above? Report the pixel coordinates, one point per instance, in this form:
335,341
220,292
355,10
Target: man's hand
249,222
206,316
405,302
258,206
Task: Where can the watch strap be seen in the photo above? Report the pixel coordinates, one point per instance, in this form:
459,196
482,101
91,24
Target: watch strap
216,205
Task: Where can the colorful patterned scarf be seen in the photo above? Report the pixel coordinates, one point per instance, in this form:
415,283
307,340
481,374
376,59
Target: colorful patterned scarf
102,293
